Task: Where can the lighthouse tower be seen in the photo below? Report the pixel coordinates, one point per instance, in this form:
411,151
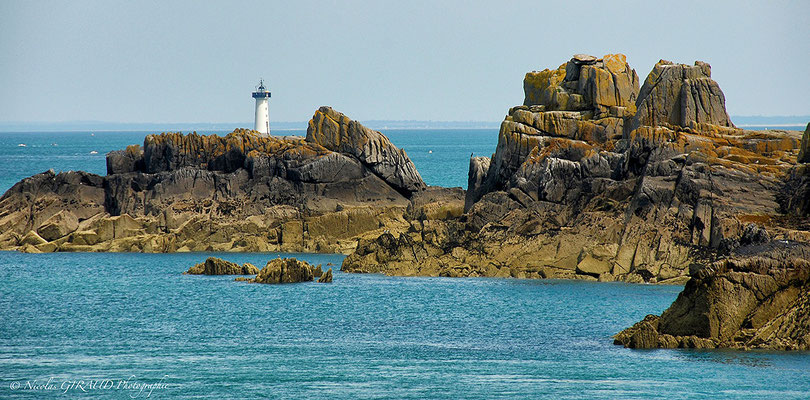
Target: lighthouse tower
262,122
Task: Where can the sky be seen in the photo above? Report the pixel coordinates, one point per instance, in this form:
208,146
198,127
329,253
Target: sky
196,61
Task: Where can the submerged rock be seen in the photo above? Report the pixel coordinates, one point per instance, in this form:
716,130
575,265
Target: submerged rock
756,299
285,270
218,266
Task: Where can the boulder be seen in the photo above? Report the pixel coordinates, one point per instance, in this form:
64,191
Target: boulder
59,225
218,266
285,270
334,131
327,277
32,238
584,83
125,161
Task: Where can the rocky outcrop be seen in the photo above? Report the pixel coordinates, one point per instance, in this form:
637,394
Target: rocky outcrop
338,133
679,95
238,192
759,301
285,270
326,277
218,266
574,192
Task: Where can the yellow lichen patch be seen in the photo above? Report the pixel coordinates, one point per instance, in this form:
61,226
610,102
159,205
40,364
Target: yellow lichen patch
615,63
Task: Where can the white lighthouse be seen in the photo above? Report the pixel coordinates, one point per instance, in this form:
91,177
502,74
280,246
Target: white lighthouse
262,95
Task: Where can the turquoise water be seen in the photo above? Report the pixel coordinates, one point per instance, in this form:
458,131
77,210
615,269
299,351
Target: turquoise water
111,316
134,317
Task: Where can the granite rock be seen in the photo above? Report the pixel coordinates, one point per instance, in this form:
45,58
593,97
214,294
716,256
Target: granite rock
336,132
758,298
679,95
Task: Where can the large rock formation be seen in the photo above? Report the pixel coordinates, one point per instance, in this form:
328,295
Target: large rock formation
238,192
745,301
574,190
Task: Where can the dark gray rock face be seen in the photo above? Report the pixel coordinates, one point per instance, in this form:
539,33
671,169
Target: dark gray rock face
681,95
336,132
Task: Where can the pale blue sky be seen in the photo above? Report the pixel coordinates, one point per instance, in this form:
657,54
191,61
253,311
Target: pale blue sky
189,61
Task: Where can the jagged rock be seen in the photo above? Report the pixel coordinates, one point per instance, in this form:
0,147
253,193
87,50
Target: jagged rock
336,132
218,266
285,270
327,277
681,95
585,83
59,225
476,176
757,299
804,150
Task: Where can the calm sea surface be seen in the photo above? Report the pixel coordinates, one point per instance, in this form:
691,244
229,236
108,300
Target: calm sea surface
124,320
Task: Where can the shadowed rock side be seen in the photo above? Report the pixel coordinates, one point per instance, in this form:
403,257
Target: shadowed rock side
794,198
746,301
239,192
574,190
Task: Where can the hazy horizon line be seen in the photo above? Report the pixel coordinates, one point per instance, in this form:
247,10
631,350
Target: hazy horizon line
80,125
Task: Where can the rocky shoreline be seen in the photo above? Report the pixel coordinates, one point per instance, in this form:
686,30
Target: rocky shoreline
596,176
239,192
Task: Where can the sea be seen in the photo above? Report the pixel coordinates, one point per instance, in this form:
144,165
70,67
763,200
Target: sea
130,325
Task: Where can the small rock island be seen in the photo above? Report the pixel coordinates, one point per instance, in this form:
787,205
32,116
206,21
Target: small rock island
279,270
